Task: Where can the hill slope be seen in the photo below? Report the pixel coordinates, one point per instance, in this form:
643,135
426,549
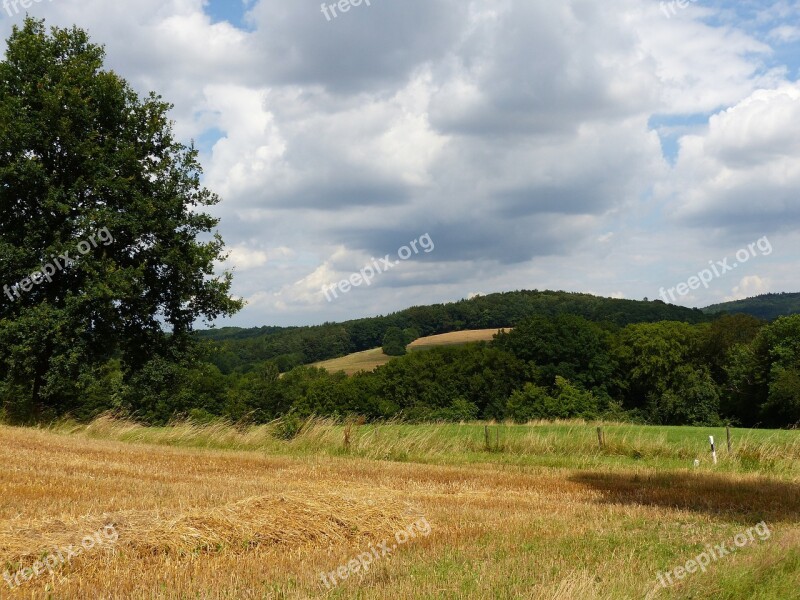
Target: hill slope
242,349
767,306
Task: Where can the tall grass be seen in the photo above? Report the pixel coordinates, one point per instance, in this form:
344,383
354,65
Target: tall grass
571,442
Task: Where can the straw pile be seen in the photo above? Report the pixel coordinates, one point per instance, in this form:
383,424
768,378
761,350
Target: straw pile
311,518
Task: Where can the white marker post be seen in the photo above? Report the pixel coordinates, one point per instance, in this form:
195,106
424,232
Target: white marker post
713,449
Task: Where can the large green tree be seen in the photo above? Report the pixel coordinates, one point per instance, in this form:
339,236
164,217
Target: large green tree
662,373
765,376
565,345
105,206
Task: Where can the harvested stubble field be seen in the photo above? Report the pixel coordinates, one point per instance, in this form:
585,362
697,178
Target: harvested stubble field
369,360
220,512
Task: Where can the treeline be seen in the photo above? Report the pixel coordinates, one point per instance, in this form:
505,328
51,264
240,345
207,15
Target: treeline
242,350
234,372
570,356
736,370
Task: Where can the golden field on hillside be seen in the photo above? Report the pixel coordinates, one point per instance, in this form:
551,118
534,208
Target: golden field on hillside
369,360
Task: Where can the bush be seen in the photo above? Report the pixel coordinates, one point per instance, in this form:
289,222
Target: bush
532,402
288,426
569,402
394,342
201,417
459,410
783,404
695,401
574,402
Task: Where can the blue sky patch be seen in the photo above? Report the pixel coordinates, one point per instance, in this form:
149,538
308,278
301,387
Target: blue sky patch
671,128
232,11
205,143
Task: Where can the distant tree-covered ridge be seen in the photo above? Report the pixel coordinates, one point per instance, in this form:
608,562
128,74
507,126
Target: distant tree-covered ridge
553,364
766,306
243,349
735,369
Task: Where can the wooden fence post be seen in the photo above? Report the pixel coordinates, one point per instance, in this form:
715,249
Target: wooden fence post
347,429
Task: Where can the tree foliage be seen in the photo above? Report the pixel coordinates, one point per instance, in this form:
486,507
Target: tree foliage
83,157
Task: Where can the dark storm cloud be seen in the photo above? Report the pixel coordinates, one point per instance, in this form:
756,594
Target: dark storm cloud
459,240
562,199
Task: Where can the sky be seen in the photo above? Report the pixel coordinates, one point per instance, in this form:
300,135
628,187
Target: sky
627,148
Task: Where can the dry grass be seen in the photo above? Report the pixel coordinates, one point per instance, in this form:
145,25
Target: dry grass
368,360
294,520
455,338
198,523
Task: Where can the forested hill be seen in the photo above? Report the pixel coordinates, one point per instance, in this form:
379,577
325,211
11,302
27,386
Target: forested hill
766,306
241,349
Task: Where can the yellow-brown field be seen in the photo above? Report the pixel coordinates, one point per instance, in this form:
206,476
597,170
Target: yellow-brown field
196,523
455,338
369,360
